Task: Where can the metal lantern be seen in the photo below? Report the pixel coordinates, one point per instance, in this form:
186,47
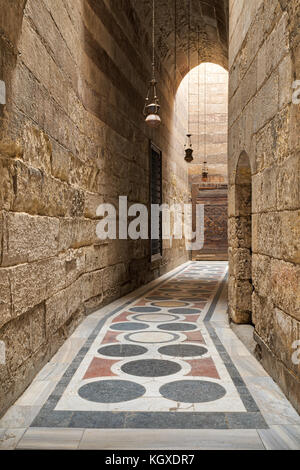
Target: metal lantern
205,166
189,149
188,146
205,172
151,110
152,107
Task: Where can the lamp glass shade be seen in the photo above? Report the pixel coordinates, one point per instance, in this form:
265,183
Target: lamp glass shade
153,120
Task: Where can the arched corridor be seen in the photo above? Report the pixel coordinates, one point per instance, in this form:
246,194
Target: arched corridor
149,251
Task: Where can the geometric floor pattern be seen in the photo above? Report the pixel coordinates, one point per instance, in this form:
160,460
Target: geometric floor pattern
156,363
161,358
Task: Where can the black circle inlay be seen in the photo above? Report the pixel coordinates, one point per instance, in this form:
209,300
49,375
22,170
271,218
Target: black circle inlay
111,391
183,350
129,326
193,391
145,309
151,368
184,311
177,327
122,350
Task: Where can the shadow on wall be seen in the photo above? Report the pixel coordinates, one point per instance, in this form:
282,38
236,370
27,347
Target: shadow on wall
11,20
241,307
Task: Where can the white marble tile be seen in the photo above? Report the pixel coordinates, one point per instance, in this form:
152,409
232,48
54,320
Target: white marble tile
68,351
9,438
249,367
51,439
273,404
36,394
281,437
142,439
19,417
52,372
86,328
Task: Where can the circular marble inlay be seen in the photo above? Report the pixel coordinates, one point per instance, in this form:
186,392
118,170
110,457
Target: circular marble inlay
122,350
183,350
151,368
193,391
111,391
193,299
185,311
170,304
145,309
178,327
156,318
128,326
151,337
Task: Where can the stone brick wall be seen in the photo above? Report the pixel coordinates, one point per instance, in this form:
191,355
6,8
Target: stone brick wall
264,129
72,136
211,122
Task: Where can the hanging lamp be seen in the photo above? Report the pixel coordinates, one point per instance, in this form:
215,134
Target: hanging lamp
198,73
152,107
205,172
189,146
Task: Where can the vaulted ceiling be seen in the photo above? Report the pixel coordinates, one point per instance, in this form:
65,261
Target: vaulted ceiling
209,17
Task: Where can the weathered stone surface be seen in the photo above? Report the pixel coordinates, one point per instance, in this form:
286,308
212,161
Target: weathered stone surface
285,281
240,302
273,141
263,312
6,184
37,146
56,312
267,234
37,327
276,234
27,238
288,184
33,283
261,274
240,263
16,337
239,229
266,102
5,297
76,233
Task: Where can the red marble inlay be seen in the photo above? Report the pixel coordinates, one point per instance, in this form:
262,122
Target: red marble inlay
203,368
192,318
198,305
111,337
122,317
194,336
141,303
100,368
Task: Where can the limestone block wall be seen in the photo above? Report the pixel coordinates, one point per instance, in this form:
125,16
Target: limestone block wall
211,121
264,125
72,136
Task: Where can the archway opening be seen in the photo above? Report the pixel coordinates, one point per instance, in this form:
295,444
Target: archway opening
204,91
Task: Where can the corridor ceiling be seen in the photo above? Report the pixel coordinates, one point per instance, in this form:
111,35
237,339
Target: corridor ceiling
210,16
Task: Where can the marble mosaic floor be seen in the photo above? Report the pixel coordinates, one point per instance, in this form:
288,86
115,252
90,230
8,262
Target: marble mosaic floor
160,368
